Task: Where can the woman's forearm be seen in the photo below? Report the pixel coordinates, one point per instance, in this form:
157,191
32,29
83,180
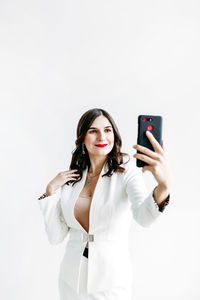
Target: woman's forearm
160,194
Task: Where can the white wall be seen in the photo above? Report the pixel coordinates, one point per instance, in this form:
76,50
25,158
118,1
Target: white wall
60,58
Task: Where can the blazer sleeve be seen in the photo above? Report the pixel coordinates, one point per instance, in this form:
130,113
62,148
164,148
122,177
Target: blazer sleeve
55,224
144,208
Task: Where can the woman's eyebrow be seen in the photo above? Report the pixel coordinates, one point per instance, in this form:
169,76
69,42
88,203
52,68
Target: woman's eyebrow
97,128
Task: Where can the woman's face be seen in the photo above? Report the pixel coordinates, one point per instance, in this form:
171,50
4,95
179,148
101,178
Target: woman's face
100,133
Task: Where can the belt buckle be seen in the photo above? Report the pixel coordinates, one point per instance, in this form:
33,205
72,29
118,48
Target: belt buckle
88,237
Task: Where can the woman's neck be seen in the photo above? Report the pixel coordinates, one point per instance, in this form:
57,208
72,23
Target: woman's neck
96,167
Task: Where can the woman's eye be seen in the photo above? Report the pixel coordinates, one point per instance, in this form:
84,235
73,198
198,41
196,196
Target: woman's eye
95,130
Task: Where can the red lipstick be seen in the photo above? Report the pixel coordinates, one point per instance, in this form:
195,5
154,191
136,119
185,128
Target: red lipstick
101,145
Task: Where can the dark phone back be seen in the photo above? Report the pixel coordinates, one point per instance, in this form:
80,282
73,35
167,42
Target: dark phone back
152,124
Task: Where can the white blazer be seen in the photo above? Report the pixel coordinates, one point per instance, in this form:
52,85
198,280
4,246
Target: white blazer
116,200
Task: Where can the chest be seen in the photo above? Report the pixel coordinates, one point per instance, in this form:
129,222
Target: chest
104,200
89,187
84,199
83,203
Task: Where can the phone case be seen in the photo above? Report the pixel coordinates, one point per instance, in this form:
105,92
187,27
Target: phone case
154,125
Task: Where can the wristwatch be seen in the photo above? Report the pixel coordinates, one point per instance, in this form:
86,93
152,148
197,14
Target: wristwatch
43,196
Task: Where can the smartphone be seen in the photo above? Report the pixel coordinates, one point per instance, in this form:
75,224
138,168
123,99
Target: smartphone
152,124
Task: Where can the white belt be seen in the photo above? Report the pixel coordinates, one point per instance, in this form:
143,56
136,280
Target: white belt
81,236
75,234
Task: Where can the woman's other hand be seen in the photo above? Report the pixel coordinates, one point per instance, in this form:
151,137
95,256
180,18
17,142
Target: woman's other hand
60,180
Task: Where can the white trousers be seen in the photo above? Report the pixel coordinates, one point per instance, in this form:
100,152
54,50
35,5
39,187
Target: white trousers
67,293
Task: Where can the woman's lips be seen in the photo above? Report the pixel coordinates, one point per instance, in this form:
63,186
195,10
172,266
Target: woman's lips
102,145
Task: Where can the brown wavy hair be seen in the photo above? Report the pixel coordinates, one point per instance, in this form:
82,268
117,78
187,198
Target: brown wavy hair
81,161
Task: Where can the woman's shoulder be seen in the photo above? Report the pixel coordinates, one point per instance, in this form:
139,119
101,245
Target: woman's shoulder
129,164
130,168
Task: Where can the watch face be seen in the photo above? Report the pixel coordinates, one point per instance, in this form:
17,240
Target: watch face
43,196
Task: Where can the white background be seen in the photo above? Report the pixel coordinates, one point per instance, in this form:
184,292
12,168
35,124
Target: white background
61,58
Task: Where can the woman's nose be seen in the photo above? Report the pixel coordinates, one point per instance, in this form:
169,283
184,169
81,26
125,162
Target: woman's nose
101,135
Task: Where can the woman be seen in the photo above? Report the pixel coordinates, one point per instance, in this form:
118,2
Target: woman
100,194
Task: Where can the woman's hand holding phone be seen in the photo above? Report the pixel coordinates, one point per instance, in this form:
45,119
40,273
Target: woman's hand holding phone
156,162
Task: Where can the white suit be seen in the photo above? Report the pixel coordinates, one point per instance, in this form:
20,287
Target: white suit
116,200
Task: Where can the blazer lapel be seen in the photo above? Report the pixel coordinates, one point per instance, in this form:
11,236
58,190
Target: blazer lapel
71,194
96,198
